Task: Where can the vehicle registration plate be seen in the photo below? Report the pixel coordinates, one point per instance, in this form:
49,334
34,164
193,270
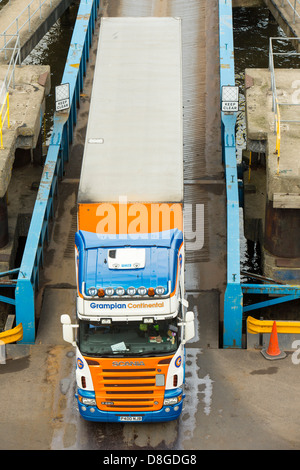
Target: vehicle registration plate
131,418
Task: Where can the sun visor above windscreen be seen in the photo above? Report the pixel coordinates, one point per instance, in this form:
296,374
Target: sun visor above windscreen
126,258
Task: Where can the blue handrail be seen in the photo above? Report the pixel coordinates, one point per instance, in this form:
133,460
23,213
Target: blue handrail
233,301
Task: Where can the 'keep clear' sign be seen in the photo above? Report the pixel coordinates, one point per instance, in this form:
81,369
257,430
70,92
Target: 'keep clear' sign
62,97
230,99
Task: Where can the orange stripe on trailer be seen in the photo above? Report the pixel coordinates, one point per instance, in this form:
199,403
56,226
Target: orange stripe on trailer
129,218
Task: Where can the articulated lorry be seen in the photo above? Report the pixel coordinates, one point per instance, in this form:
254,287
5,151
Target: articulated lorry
132,321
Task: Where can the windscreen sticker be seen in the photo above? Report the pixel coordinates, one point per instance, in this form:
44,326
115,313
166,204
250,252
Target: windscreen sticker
119,347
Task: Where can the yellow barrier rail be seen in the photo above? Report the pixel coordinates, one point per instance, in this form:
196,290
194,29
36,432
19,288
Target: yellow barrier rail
4,113
278,135
13,335
255,326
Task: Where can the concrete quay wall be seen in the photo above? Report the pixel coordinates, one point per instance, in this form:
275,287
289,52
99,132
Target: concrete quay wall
22,146
26,104
38,26
26,110
272,186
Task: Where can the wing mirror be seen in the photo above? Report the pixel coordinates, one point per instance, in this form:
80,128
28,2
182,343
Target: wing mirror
189,326
68,329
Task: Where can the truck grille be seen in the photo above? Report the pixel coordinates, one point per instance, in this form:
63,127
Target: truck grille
129,389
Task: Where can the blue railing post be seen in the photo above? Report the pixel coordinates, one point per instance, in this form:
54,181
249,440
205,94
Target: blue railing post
233,301
25,309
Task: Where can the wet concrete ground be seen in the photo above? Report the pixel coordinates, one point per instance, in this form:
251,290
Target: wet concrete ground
235,400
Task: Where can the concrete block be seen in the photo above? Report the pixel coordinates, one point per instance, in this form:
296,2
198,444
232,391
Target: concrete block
27,106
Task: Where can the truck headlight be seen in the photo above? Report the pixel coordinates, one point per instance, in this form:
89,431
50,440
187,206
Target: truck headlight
87,401
172,400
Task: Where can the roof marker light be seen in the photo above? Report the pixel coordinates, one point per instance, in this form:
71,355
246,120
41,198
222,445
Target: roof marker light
92,291
131,291
109,291
142,290
151,292
120,291
101,292
160,290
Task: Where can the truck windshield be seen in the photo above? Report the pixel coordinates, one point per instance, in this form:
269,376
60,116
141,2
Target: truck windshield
128,338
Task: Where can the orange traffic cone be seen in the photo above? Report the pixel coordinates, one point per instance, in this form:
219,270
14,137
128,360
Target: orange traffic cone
273,351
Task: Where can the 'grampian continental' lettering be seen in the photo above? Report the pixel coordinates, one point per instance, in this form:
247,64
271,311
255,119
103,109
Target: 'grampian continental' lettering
110,306
113,305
